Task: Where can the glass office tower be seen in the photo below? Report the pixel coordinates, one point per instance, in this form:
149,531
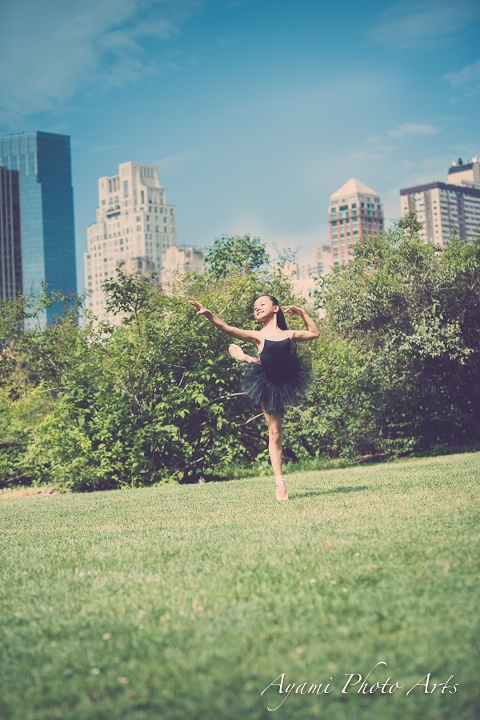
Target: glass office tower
46,199
10,235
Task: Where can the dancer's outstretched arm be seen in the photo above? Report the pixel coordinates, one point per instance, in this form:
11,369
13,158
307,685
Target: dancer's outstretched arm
310,333
251,336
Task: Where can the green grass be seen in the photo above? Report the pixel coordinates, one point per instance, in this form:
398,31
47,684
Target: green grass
185,602
242,472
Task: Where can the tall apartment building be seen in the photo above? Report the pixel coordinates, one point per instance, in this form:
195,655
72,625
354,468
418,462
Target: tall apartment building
355,211
446,207
10,235
46,204
135,226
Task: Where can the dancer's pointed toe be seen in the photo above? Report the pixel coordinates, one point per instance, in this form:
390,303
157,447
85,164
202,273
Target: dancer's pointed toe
281,489
236,352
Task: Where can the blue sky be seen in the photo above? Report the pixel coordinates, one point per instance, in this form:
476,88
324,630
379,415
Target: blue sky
255,111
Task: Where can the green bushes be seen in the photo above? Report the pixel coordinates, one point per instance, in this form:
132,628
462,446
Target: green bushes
414,309
91,405
155,399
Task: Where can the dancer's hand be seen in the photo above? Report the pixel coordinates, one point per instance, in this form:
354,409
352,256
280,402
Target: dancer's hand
201,309
292,310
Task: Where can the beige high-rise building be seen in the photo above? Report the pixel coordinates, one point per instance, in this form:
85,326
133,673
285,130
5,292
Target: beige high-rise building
319,264
443,208
355,211
135,227
183,258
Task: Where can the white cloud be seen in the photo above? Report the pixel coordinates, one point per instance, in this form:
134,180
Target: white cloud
408,129
170,165
411,23
52,49
377,149
468,79
367,155
105,148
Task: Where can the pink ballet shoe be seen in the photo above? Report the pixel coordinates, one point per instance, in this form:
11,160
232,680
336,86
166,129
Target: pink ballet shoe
280,482
237,352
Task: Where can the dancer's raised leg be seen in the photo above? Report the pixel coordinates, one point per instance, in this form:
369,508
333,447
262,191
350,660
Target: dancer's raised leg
275,438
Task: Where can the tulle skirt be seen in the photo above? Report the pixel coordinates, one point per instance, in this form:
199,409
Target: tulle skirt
277,397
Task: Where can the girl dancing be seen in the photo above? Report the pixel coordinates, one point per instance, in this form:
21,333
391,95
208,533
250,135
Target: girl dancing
275,380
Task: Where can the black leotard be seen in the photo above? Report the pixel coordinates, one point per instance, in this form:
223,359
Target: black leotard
282,376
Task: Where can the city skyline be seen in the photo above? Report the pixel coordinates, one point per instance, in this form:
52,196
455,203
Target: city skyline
254,111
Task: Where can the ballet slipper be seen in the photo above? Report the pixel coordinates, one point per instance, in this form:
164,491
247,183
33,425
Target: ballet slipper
279,482
237,352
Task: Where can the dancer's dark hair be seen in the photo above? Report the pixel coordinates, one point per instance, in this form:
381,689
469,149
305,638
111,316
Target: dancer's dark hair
281,322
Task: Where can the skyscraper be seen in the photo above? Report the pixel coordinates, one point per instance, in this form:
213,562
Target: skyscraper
46,201
445,207
133,221
10,235
354,211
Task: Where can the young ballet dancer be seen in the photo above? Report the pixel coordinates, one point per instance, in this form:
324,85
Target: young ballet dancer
275,380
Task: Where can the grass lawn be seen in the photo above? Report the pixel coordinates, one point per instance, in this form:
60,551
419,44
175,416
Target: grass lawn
186,602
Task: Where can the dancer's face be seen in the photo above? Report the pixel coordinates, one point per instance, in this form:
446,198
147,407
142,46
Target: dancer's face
263,308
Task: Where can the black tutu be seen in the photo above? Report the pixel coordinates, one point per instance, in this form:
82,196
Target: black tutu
283,378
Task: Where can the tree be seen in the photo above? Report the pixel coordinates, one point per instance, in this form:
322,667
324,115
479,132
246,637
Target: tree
237,254
416,308
152,400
